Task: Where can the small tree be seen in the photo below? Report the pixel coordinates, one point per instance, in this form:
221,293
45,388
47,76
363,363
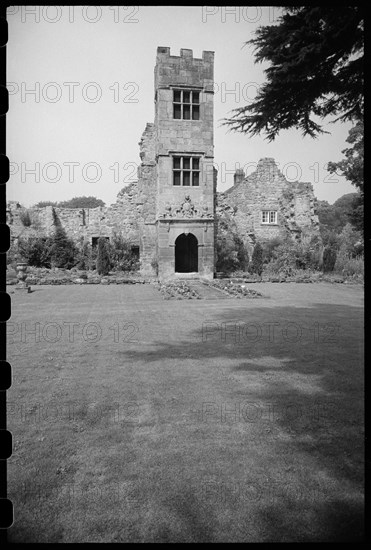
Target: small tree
63,250
329,259
103,259
242,254
256,265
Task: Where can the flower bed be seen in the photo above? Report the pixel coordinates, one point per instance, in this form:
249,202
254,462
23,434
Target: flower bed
235,289
177,290
44,276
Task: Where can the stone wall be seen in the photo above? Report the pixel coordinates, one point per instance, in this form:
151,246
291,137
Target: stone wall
267,189
134,212
80,223
146,201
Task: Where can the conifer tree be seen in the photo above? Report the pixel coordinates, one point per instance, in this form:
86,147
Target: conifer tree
257,260
103,258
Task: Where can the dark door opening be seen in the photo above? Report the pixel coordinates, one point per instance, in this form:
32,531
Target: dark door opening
186,254
94,240
135,252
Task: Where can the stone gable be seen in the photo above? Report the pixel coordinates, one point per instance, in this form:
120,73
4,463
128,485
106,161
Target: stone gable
267,189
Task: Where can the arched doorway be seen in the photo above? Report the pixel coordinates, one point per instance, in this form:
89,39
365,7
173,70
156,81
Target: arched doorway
186,253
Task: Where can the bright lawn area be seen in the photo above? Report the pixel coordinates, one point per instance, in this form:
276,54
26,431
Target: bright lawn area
136,419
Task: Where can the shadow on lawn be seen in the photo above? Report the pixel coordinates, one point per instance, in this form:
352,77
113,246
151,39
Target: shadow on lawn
205,470
340,522
315,384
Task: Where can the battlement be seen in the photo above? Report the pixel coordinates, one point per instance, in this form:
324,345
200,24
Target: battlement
163,53
184,69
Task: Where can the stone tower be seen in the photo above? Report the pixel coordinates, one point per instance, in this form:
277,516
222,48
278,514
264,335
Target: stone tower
176,177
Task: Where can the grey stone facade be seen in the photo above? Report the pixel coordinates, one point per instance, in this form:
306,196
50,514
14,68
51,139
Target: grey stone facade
267,190
181,209
170,212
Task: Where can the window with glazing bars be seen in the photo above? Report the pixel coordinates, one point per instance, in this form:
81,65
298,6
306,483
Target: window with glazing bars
186,104
269,216
186,171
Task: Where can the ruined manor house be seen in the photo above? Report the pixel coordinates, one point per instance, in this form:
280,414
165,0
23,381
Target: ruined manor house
170,214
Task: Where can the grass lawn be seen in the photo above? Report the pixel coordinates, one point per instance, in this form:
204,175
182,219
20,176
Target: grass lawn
136,419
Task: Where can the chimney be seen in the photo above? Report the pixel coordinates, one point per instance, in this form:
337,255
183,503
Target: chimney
239,176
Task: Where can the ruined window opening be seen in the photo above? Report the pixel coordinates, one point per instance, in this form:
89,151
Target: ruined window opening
186,105
94,240
269,216
186,171
135,251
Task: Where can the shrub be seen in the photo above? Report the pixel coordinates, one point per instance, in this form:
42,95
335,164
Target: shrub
231,253
36,251
291,256
330,238
310,252
13,255
284,262
350,241
226,253
154,264
122,256
25,218
256,265
329,259
103,258
86,256
269,248
348,265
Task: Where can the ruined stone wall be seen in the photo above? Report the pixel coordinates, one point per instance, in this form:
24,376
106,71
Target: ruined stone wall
267,189
146,201
80,223
134,212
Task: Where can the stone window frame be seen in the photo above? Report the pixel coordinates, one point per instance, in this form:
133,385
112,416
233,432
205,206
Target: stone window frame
181,170
269,216
182,102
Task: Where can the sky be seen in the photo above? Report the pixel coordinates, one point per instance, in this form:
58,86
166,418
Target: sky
81,90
